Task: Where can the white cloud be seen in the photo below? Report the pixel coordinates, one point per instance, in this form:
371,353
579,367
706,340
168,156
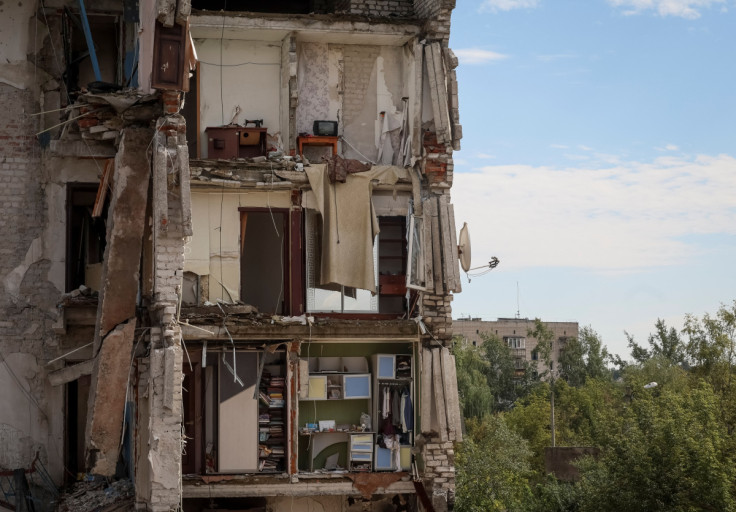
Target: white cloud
668,147
621,218
485,156
507,5
555,57
689,9
558,146
477,56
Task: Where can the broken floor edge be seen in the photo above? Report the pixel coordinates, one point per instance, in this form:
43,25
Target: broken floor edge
302,488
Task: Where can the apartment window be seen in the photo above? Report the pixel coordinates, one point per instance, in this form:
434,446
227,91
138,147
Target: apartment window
514,342
389,267
332,298
535,355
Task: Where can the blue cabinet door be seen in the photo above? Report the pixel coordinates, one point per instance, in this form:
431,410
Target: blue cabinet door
357,386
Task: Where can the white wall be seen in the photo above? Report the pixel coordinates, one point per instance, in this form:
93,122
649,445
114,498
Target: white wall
216,252
250,78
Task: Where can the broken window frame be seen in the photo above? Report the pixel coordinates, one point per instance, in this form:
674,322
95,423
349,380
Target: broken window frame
415,260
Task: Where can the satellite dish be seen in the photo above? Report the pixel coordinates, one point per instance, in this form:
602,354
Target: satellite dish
463,247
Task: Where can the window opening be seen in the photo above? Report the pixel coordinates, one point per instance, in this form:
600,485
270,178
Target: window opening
85,237
264,259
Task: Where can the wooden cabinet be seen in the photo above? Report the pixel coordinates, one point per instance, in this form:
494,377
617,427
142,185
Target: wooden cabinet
339,387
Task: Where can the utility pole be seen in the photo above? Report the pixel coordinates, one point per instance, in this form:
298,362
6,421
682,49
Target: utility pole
552,410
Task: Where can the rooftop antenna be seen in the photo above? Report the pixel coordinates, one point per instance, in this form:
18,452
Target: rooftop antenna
518,312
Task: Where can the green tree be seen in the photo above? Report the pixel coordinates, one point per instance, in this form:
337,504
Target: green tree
476,396
711,349
666,450
665,342
493,468
506,385
583,357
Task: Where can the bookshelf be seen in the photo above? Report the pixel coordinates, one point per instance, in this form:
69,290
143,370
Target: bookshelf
272,417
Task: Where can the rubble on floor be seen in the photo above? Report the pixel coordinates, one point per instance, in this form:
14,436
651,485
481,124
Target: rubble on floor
98,496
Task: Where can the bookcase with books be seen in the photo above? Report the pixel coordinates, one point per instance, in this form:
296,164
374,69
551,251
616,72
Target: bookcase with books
271,416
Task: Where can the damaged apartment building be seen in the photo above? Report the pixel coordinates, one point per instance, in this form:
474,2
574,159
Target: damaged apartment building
228,255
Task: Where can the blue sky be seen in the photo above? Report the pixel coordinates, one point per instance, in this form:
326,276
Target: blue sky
598,159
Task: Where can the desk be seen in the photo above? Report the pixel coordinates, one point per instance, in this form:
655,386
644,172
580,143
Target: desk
319,441
317,140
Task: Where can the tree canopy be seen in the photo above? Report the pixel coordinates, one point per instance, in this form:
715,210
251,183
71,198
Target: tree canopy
669,446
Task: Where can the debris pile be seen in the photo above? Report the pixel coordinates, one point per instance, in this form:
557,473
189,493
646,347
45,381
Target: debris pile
101,117
98,496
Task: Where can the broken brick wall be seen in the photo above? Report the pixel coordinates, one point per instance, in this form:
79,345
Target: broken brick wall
160,441
32,410
379,8
159,428
439,473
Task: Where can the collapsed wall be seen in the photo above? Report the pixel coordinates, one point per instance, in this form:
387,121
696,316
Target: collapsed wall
64,353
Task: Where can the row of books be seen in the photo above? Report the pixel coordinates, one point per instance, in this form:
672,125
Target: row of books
271,448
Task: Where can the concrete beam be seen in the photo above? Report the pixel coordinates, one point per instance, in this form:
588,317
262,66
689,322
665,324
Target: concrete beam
71,373
125,224
312,28
107,400
233,489
379,331
116,309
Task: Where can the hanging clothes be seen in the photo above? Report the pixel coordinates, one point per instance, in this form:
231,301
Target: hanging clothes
386,403
395,406
407,411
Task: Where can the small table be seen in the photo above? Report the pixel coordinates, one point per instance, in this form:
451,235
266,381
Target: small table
317,140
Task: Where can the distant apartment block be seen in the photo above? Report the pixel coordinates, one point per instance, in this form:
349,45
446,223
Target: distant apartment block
514,333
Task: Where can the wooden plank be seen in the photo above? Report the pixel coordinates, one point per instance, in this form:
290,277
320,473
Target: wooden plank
432,83
448,255
107,172
453,237
452,398
426,391
440,84
439,393
436,245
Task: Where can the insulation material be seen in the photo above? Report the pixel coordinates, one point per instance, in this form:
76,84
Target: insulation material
349,225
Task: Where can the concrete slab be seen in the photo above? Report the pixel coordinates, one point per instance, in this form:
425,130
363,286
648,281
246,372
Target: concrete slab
107,399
